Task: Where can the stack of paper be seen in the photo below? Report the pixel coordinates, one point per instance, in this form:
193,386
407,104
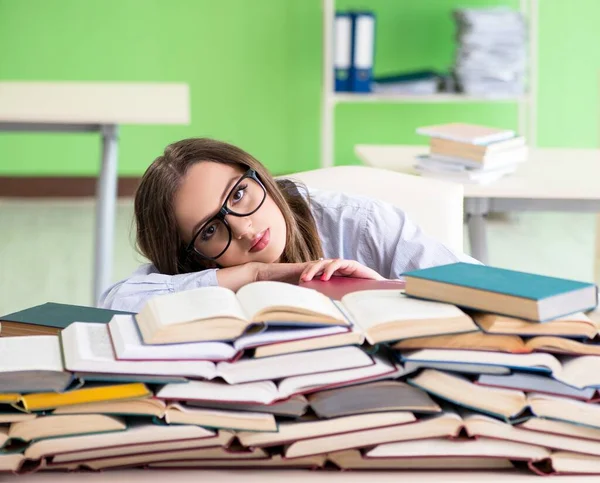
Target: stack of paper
491,53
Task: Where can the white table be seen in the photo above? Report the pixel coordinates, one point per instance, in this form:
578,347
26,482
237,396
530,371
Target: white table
291,476
551,180
94,107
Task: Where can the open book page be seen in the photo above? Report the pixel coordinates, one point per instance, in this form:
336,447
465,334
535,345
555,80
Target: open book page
273,336
374,307
30,353
260,297
580,372
87,348
312,382
128,345
136,434
535,361
198,304
264,392
287,365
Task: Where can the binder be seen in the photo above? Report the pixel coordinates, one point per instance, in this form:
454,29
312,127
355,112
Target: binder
342,53
363,50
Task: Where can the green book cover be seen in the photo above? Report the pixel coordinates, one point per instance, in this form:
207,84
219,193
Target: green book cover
499,280
57,315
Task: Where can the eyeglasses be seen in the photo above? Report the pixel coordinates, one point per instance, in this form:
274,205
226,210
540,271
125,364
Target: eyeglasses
214,237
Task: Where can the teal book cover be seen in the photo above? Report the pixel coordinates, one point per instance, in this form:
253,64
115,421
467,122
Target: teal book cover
499,280
57,315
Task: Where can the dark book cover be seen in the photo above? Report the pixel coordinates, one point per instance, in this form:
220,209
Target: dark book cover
59,316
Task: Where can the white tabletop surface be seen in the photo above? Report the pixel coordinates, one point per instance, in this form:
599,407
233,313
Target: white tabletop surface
549,173
94,102
289,476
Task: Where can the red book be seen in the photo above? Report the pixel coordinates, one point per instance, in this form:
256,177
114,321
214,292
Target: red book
337,287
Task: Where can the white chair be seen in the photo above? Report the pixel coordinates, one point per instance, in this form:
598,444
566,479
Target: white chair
436,206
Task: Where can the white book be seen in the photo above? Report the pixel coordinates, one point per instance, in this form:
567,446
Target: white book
32,364
217,313
128,343
87,348
209,313
475,361
446,447
466,133
384,315
267,392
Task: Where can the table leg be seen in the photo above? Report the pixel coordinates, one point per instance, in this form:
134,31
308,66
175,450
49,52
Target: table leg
597,251
476,209
106,197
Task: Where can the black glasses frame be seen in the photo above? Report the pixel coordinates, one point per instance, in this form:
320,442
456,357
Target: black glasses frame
224,211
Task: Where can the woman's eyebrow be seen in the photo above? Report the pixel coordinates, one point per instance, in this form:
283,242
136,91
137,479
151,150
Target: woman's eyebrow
228,188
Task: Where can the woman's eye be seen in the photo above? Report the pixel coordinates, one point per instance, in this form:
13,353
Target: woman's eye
208,232
239,193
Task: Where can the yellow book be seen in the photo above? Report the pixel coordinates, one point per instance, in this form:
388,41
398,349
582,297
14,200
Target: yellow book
9,398
50,400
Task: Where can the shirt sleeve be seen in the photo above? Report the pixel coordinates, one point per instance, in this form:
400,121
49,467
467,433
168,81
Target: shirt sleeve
395,244
132,293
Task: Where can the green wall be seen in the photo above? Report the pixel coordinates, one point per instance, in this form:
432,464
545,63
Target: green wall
254,68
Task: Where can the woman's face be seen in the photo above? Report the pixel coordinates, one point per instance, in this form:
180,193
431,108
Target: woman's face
259,237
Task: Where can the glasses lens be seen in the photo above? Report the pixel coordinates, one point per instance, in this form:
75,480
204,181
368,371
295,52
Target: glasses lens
246,197
212,239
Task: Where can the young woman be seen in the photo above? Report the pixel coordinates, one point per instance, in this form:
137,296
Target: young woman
208,213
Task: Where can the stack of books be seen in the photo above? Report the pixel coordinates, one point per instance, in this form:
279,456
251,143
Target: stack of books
469,153
278,375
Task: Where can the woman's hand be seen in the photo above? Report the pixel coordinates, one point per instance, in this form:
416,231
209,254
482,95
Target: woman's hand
337,266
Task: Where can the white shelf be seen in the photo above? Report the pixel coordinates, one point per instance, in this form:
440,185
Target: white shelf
349,97
526,104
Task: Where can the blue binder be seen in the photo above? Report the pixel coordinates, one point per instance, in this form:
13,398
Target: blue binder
342,51
363,51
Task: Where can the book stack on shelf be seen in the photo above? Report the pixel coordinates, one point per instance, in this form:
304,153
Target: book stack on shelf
283,376
469,153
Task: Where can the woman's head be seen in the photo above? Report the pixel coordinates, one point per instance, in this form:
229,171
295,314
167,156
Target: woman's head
194,191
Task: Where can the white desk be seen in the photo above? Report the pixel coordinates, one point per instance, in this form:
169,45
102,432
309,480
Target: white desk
291,476
94,107
551,180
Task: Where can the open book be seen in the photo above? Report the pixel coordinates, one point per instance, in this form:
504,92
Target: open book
267,392
478,426
138,436
290,432
480,341
128,344
87,348
443,425
55,426
445,458
574,325
507,404
387,315
217,313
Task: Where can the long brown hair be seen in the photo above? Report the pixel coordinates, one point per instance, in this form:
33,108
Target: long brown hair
157,236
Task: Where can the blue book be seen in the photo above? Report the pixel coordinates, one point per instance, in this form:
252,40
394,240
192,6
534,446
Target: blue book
501,291
363,51
342,55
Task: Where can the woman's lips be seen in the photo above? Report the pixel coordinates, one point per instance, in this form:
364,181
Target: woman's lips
262,241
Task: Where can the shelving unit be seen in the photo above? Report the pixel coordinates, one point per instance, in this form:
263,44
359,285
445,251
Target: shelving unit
527,119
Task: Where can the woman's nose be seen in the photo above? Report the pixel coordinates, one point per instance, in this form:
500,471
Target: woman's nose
240,226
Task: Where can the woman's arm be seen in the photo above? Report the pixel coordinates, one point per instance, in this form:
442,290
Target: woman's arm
132,293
